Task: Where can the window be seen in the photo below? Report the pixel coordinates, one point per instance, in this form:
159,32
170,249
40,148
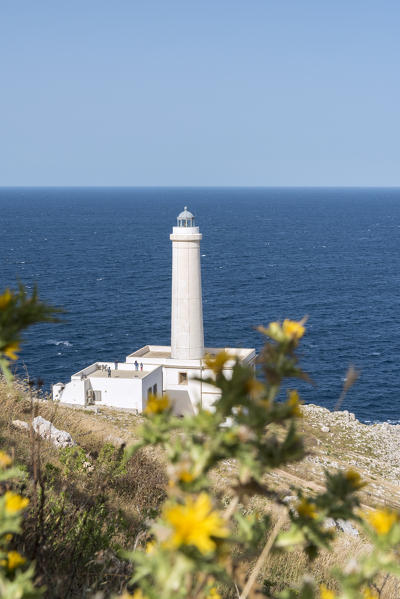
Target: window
155,389
183,378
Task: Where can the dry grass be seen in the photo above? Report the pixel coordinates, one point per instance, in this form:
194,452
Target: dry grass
284,570
71,567
79,517
287,570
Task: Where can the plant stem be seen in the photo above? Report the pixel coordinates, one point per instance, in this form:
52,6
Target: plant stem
231,508
263,556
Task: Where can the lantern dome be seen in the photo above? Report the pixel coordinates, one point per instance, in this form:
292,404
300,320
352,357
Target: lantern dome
185,218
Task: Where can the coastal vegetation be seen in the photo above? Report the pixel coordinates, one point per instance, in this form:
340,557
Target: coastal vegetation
261,497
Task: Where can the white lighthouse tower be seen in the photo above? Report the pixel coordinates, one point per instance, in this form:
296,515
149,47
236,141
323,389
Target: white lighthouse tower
187,337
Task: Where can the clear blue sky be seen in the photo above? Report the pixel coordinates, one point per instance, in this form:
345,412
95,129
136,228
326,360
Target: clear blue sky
205,92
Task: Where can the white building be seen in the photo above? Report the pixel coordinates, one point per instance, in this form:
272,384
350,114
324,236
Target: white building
179,369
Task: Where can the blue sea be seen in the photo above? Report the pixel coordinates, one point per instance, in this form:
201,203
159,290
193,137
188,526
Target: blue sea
104,255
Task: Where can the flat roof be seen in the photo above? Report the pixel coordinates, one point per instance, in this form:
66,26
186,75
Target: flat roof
164,351
119,374
157,354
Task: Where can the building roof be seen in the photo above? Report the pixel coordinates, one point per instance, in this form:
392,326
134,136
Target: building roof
163,352
124,371
118,374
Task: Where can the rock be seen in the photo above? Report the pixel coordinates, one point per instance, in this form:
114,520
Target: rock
20,424
342,525
329,523
115,440
47,430
345,414
347,528
325,429
290,499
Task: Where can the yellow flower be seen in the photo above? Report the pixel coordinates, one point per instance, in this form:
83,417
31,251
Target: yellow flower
274,331
382,521
150,547
354,478
213,594
5,459
194,523
217,363
10,350
295,403
14,560
370,594
15,503
156,405
325,593
186,477
5,299
305,509
292,329
138,595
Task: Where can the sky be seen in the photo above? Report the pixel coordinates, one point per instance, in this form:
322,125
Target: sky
199,93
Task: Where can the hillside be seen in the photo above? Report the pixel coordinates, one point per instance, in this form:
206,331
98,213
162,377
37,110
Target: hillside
90,480
338,440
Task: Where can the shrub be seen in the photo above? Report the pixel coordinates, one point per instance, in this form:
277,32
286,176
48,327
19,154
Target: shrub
18,311
199,544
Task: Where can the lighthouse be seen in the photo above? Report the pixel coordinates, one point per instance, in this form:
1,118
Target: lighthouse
179,369
187,337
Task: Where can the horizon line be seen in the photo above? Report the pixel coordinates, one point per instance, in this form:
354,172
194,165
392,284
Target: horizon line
200,186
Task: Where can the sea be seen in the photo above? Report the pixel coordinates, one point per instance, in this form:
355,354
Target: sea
104,255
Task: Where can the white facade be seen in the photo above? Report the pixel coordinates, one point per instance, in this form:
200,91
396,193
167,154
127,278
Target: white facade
116,385
183,380
178,370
